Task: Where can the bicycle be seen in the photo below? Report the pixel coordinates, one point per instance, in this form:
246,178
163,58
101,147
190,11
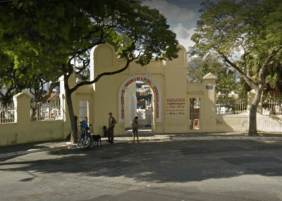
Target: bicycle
86,139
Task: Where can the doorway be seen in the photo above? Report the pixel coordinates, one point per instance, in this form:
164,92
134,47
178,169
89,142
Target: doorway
195,106
138,101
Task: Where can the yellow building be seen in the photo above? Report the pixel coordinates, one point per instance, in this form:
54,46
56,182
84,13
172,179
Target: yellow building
172,94
177,105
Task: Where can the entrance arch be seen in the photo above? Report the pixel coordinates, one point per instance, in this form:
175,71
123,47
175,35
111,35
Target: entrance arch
149,81
171,93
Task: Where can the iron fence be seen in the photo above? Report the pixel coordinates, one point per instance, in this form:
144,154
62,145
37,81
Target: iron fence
7,113
271,107
46,111
226,106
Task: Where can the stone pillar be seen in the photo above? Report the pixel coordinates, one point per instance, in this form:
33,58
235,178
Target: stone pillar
62,97
64,106
134,105
128,112
105,96
22,118
148,116
175,103
130,104
208,113
22,108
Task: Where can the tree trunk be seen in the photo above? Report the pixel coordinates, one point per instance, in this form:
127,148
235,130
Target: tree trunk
72,118
33,113
71,112
253,112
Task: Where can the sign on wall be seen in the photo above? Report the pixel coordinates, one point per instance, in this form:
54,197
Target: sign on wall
175,106
209,87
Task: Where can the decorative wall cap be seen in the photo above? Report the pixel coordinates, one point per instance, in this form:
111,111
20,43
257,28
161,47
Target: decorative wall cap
209,76
61,78
21,94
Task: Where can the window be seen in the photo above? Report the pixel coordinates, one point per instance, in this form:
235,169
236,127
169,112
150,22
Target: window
83,110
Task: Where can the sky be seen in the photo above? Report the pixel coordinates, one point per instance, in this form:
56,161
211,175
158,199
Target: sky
182,16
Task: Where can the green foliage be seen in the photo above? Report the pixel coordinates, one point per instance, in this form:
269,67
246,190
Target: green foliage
242,88
198,67
273,79
249,28
148,34
45,37
41,39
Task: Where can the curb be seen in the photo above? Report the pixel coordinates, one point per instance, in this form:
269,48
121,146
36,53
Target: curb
68,145
227,138
19,153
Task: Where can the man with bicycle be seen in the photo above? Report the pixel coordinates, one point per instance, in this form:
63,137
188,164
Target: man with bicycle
82,127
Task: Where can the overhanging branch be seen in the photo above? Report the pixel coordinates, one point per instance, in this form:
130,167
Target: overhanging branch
266,62
48,94
98,77
246,78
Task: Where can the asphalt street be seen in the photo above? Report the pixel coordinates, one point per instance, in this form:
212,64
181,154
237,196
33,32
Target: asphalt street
195,170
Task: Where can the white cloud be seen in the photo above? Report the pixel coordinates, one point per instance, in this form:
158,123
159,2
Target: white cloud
182,32
184,35
171,11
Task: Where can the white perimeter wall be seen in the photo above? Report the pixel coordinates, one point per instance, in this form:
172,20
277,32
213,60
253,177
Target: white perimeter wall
240,123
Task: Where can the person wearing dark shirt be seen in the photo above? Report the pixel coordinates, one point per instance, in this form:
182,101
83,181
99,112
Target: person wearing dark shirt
112,123
135,129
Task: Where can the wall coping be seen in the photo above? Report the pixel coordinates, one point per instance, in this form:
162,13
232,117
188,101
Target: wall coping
209,76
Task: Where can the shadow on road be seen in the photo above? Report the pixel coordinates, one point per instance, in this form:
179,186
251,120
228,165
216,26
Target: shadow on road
159,162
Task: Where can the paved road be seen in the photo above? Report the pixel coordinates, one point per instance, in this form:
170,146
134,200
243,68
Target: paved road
197,170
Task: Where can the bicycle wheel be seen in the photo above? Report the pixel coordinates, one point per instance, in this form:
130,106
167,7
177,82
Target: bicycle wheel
86,141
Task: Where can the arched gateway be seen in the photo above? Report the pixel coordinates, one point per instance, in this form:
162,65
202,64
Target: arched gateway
179,106
155,88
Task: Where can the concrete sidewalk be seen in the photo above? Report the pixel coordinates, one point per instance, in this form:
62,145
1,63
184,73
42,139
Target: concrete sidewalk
145,135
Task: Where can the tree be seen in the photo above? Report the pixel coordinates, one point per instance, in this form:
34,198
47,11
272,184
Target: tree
198,67
63,31
249,28
24,63
17,74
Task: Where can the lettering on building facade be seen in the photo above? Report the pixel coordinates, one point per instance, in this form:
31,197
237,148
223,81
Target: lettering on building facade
175,106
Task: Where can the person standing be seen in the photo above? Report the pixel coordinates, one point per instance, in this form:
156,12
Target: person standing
135,129
82,127
112,123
